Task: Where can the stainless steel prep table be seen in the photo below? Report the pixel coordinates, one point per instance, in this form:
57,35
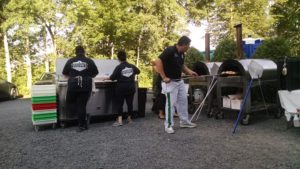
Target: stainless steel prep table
102,100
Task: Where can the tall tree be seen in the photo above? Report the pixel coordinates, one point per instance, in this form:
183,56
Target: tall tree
3,32
287,13
251,13
21,23
44,13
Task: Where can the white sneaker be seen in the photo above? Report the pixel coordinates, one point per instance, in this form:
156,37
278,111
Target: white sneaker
187,124
169,130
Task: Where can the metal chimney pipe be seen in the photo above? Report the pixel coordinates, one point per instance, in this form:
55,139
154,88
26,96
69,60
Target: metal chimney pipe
207,47
239,51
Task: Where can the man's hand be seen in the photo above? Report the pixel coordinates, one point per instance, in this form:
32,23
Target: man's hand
192,73
188,71
166,80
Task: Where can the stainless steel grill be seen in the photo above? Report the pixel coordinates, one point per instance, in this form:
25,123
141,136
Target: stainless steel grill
233,81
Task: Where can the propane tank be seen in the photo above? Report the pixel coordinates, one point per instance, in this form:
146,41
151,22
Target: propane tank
284,69
198,95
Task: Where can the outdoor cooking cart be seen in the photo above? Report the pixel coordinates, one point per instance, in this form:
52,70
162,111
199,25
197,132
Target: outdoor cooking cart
232,84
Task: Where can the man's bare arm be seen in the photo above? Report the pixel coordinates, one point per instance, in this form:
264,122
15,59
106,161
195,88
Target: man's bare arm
188,71
160,69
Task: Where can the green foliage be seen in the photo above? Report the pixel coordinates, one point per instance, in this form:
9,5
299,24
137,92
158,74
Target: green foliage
199,9
142,27
2,63
192,56
3,4
275,48
287,14
145,78
19,79
225,50
37,71
252,14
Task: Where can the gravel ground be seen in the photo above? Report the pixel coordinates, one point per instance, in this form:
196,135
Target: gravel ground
266,143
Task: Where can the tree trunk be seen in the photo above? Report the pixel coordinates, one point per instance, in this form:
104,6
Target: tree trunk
7,58
28,71
28,65
138,49
112,51
138,56
49,30
47,66
54,51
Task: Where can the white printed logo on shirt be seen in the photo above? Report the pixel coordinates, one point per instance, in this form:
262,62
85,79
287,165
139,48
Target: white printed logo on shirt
176,55
79,65
127,72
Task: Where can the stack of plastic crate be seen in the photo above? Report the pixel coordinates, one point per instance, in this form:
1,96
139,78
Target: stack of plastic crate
44,110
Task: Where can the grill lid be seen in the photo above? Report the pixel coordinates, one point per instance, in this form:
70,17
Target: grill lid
241,67
208,68
200,68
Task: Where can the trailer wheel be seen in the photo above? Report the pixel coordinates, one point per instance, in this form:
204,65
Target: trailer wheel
14,93
246,119
209,114
219,115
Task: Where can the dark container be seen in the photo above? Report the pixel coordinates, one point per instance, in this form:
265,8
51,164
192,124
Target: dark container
142,97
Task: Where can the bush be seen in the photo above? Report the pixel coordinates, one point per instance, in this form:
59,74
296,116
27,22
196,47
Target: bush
274,49
225,50
192,56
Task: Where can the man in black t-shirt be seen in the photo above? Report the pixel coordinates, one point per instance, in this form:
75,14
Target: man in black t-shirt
170,65
80,70
125,74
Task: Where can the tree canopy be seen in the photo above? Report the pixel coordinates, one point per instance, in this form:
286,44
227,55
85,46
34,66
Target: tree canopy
39,31
287,25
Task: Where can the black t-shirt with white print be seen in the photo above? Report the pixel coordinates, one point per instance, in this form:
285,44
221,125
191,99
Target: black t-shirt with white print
125,73
172,62
80,66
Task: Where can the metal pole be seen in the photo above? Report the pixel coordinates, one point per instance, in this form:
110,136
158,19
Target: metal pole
242,106
207,47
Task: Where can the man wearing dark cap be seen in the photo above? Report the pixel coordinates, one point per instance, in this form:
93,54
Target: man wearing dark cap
80,70
170,65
